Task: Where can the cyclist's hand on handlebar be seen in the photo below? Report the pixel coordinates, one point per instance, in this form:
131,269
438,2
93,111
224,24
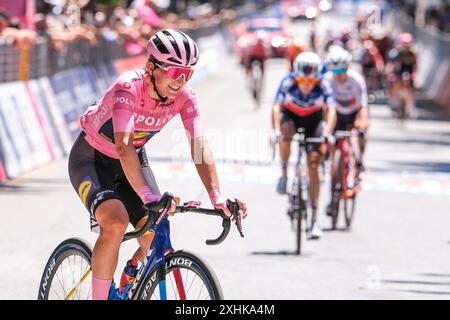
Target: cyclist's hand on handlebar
220,202
329,138
275,137
242,212
242,209
361,124
155,202
173,207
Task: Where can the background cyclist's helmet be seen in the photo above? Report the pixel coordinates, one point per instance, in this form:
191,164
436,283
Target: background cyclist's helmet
173,47
405,39
308,65
338,59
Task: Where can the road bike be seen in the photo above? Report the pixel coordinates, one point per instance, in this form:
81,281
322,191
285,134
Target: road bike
299,190
256,79
345,169
165,274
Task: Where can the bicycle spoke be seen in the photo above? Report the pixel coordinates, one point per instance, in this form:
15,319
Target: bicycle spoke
59,297
187,293
59,280
186,280
200,293
171,283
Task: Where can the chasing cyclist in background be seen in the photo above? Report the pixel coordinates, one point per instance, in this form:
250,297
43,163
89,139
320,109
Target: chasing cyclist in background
258,51
302,101
108,166
400,69
350,93
294,49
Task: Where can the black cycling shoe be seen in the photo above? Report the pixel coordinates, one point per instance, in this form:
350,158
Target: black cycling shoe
329,209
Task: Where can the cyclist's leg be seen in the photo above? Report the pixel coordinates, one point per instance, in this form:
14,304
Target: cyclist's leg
410,99
341,125
313,128
135,208
288,129
112,218
93,180
395,93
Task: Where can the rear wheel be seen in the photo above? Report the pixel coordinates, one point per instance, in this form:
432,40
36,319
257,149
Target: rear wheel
67,274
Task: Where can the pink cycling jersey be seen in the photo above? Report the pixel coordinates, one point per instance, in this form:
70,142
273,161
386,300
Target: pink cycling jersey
128,107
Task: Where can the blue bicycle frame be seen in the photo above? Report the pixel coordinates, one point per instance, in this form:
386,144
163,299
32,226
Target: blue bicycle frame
160,246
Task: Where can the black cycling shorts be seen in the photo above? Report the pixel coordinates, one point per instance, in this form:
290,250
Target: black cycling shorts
310,123
252,59
345,122
97,178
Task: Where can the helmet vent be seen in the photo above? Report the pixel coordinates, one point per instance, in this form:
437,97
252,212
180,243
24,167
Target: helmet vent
160,46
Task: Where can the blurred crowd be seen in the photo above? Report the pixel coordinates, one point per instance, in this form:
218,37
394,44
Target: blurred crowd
130,22
427,12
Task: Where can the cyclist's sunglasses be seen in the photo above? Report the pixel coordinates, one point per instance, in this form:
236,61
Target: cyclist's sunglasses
310,81
339,70
176,73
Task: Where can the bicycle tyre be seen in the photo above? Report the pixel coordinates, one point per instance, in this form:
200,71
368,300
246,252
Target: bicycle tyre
182,260
349,211
67,248
336,194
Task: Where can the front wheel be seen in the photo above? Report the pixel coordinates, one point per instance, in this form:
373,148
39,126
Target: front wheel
67,274
187,278
336,187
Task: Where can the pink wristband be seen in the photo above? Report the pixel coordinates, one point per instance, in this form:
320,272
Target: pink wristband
146,195
217,200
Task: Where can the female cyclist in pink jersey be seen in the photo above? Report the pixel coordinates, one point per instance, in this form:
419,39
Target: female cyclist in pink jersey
108,166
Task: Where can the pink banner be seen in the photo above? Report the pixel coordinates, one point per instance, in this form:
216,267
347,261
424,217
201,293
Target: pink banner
2,172
23,9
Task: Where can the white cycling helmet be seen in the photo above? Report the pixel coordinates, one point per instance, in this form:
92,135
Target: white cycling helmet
308,65
338,59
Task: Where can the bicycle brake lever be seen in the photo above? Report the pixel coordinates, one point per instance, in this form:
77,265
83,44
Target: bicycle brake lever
234,208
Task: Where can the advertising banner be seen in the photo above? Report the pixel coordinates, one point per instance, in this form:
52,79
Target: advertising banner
45,118
23,142
74,90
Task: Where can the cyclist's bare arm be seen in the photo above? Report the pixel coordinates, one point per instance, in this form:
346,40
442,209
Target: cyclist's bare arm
362,119
129,159
204,163
206,168
331,118
276,116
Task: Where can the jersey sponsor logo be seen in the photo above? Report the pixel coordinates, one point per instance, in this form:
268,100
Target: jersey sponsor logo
191,109
152,121
107,131
101,113
99,197
141,137
123,101
127,85
139,142
85,187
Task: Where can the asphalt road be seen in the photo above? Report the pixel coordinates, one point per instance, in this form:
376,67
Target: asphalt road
398,247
